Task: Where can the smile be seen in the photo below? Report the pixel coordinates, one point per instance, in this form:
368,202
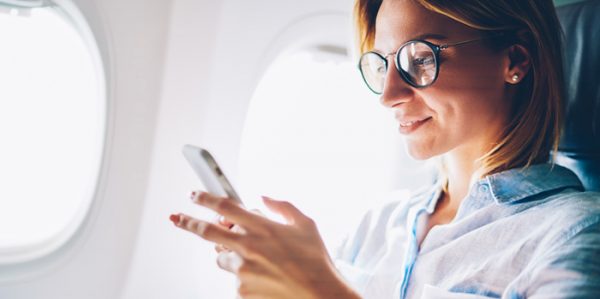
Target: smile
411,126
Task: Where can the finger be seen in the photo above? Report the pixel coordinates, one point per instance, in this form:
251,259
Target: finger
219,219
291,214
235,229
238,229
231,210
221,248
208,231
224,222
229,261
235,263
257,212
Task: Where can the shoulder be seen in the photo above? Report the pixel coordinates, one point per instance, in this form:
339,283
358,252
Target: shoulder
574,210
571,215
569,265
577,200
580,214
554,219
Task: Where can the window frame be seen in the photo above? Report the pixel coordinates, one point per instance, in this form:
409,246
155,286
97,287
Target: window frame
19,260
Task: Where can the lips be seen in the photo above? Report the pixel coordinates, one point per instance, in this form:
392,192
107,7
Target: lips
406,122
409,126
410,123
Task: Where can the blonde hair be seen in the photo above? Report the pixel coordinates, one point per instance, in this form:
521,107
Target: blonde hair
535,123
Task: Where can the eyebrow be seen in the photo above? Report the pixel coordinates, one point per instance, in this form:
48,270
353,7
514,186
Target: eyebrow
430,36
435,36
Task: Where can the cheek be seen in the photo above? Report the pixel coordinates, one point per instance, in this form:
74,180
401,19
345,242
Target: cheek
467,106
470,73
469,117
471,93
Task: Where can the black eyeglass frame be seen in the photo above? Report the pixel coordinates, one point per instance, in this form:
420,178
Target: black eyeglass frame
436,50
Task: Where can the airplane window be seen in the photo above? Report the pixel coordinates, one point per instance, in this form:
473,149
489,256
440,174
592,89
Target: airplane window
52,124
316,137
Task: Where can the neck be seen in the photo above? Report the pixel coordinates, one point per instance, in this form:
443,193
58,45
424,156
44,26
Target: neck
461,168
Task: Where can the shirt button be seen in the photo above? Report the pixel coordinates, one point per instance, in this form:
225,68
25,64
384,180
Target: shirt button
483,189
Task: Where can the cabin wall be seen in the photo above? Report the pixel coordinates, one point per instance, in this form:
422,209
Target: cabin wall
132,37
217,53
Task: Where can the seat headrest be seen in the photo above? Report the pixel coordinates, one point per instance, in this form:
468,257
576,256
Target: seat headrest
579,148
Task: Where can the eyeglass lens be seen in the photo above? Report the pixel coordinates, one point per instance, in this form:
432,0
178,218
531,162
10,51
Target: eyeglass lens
416,62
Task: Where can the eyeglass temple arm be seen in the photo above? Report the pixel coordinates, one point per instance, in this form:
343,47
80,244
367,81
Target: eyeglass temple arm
442,47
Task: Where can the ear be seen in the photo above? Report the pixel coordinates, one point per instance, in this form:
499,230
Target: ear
519,64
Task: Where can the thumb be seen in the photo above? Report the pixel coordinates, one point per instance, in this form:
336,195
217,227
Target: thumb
291,214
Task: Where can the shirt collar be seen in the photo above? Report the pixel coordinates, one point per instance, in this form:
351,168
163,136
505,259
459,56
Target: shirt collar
513,185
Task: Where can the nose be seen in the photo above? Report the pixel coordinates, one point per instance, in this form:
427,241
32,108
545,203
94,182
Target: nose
395,89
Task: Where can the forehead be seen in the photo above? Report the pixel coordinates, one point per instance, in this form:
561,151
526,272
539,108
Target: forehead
399,21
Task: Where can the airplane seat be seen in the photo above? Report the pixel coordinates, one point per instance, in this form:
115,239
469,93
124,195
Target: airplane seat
579,148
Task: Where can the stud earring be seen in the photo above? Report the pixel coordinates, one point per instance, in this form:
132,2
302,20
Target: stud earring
515,77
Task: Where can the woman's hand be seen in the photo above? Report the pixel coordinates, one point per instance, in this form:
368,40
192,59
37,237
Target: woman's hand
219,248
270,260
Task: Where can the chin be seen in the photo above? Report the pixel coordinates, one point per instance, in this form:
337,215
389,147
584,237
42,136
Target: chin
420,152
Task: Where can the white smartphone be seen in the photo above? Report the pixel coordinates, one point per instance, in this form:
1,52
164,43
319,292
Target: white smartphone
210,173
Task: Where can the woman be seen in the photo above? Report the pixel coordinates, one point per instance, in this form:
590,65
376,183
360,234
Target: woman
479,85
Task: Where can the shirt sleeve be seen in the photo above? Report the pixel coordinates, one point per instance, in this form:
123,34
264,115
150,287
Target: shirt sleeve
572,269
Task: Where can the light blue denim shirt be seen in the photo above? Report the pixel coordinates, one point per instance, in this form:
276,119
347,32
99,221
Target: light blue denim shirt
521,233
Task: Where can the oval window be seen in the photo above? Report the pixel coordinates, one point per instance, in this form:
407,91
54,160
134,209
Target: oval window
316,136
52,126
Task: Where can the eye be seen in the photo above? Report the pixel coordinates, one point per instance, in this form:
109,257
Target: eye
424,61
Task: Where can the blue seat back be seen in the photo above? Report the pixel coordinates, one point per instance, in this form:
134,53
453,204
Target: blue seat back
579,149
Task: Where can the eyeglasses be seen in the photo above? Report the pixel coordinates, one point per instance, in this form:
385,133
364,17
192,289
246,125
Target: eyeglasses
417,62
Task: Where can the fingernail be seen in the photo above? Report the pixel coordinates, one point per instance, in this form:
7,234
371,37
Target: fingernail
193,195
174,218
